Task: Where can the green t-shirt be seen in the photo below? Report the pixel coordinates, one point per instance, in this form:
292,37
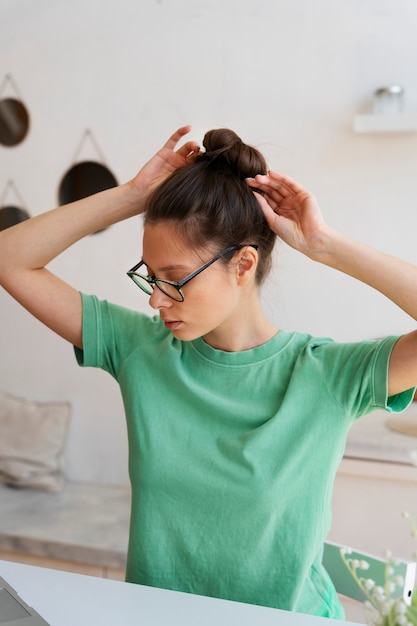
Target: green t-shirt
232,455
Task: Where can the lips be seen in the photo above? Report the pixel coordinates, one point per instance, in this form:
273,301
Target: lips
171,325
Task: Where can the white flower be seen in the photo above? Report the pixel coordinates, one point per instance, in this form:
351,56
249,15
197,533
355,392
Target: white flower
381,608
372,616
385,608
363,565
379,594
369,584
401,608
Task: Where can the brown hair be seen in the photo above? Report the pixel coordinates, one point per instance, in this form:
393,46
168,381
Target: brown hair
208,201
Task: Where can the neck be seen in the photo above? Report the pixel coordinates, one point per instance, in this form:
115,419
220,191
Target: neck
247,329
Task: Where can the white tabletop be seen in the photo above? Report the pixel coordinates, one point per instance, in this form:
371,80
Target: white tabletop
65,599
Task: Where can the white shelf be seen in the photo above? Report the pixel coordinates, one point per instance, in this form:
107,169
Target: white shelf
385,123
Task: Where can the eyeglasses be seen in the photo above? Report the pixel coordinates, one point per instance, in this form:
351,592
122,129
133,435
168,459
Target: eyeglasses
171,288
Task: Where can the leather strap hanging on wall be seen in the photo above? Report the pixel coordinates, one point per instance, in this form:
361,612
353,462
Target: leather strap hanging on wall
14,117
11,214
85,177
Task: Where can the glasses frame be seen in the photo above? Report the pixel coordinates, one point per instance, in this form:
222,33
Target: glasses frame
152,281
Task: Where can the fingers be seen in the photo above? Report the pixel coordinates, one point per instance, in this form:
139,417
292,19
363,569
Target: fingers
271,192
175,137
189,149
268,211
288,185
272,189
277,182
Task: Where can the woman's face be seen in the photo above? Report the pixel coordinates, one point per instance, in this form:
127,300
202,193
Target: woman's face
211,298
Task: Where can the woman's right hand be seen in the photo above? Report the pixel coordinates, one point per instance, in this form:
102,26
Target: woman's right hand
165,162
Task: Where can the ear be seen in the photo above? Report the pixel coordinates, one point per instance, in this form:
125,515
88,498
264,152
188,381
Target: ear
246,265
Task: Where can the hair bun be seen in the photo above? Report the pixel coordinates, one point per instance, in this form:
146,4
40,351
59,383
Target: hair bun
225,150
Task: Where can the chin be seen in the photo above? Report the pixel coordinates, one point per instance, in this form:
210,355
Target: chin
184,335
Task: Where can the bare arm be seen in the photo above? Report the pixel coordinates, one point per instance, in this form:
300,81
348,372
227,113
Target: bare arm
293,214
27,248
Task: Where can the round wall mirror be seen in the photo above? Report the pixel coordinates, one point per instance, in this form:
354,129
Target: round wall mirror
14,121
84,179
11,215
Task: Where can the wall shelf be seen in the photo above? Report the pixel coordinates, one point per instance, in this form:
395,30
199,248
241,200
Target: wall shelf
385,123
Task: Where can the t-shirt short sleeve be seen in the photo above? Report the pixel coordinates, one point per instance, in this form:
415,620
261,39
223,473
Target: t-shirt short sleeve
111,333
356,374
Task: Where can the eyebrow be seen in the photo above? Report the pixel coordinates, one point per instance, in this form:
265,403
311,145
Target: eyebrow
169,268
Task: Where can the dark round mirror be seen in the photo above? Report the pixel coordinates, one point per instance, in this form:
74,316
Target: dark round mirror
14,121
11,215
84,179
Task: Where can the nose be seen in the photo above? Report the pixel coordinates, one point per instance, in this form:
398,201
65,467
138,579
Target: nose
159,300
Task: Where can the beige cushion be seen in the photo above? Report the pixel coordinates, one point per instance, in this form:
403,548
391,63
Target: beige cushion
406,424
32,442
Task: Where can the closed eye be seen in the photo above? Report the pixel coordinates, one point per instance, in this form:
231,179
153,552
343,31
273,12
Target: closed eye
149,274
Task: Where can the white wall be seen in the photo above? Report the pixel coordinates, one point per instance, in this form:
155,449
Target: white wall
288,75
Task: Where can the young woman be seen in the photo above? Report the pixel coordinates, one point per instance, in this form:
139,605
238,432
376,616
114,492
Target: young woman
236,428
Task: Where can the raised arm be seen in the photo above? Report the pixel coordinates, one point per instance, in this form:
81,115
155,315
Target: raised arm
293,214
27,248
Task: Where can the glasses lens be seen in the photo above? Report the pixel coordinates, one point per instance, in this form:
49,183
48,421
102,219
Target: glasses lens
142,283
169,290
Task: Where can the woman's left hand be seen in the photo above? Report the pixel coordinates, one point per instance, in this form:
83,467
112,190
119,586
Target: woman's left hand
293,214
290,210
